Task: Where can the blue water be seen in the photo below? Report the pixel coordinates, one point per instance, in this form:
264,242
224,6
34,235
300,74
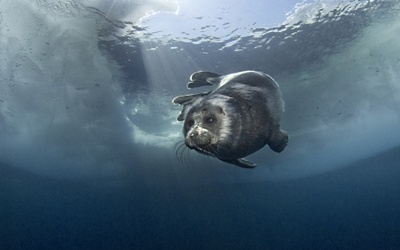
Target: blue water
355,208
88,132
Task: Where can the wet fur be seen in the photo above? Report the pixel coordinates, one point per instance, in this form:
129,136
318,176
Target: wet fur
238,118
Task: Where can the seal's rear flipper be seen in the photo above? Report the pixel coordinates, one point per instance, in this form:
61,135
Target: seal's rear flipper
185,99
243,163
278,141
203,78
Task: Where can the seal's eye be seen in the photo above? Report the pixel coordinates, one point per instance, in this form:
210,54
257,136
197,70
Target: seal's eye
210,120
190,123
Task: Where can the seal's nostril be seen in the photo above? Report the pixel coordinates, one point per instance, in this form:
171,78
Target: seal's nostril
194,134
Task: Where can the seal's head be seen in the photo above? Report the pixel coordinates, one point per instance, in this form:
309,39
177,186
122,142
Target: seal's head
205,127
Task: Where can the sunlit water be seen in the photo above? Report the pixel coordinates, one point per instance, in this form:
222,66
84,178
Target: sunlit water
85,97
87,94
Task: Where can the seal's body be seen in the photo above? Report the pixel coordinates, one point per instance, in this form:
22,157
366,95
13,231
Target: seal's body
238,118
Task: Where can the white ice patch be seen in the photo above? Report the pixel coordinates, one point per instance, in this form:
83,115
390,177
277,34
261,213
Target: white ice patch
59,110
142,137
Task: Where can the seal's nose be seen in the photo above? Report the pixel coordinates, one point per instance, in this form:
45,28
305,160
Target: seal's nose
194,134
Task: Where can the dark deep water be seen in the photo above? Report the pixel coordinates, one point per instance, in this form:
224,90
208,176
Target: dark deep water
353,208
88,133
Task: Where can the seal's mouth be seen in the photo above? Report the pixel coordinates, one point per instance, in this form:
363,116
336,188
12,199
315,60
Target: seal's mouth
192,144
201,140
200,145
203,150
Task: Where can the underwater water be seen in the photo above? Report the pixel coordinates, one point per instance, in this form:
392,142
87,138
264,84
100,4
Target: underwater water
89,137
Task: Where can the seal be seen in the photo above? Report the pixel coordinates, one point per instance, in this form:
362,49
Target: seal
234,120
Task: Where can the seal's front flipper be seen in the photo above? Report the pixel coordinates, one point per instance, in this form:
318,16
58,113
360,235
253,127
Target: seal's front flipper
203,78
278,141
184,99
243,163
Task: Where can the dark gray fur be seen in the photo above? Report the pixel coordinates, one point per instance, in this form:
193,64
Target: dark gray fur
238,118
